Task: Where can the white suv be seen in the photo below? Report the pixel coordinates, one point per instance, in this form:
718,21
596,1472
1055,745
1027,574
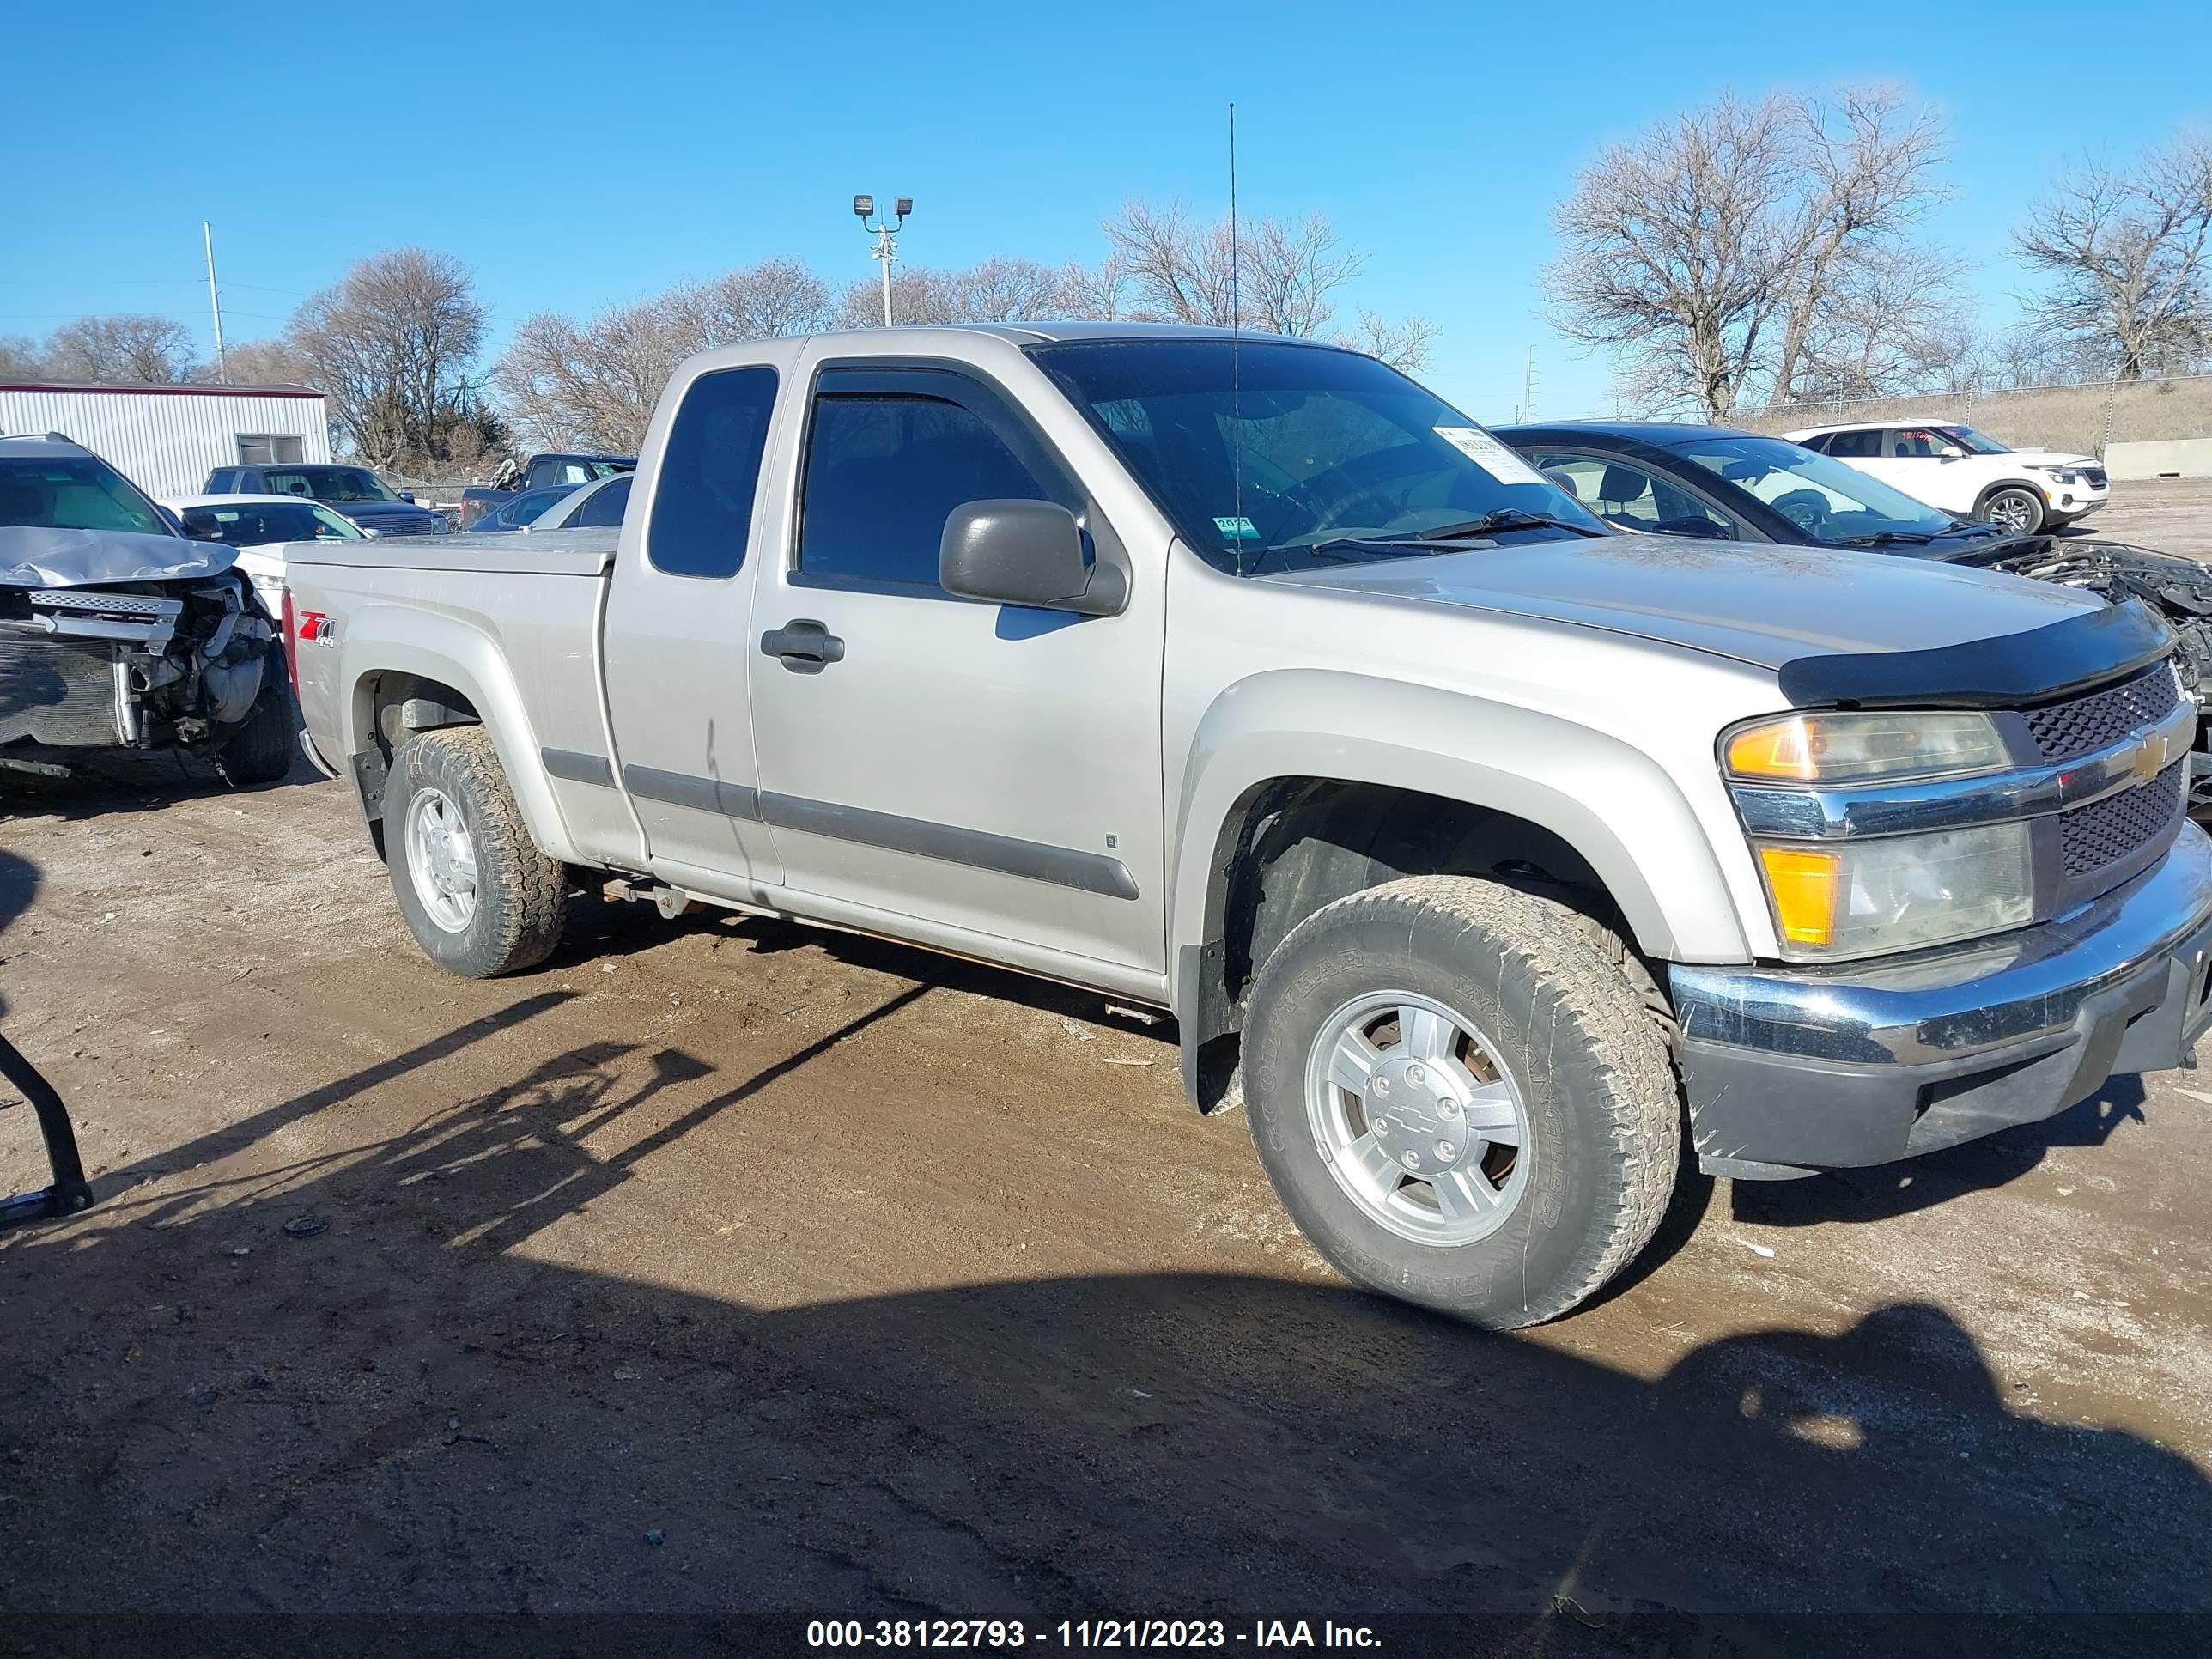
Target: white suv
1950,465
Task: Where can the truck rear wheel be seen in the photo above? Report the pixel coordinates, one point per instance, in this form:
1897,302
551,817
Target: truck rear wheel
1460,1100
477,894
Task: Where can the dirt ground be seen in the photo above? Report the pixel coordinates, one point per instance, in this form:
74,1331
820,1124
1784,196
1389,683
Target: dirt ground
726,1265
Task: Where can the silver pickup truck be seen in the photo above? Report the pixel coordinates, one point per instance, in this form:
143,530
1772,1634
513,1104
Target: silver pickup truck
1498,862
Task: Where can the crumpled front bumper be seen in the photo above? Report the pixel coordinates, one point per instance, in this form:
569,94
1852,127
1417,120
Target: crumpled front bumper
1792,1070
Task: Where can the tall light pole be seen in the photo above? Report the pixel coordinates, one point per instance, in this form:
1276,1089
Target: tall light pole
885,231
215,302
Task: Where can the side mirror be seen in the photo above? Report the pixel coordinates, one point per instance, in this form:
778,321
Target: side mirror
408,496
1028,553
372,533
201,525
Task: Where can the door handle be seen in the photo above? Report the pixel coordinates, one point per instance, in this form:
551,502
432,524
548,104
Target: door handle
805,646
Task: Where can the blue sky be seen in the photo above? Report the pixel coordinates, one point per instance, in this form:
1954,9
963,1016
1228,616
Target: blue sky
580,155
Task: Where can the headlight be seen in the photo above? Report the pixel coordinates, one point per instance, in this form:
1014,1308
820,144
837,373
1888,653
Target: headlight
1864,748
2065,475
1875,896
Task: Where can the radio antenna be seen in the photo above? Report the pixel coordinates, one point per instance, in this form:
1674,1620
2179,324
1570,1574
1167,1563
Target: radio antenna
1236,353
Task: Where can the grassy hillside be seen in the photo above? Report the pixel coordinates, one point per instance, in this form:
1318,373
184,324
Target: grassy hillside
2059,417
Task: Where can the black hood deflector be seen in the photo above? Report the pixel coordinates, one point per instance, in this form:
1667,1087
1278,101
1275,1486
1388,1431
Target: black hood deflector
2004,672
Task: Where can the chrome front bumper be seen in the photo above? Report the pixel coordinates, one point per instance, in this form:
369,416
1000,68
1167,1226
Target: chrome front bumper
1790,1070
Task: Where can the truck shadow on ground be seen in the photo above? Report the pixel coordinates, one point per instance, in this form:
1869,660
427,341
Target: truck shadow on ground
1871,1194
380,1376
620,928
1896,1189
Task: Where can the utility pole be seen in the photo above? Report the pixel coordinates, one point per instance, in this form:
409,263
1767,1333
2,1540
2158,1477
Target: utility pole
886,234
1529,387
214,303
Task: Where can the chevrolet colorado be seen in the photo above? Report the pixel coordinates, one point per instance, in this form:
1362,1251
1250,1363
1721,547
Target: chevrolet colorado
1496,861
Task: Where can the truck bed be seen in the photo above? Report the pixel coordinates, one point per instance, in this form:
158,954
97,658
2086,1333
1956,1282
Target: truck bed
510,622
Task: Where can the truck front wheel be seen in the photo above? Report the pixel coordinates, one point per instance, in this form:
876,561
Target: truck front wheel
479,897
1459,1101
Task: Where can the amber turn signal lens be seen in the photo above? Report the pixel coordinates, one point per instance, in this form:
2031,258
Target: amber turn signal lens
1804,882
1780,749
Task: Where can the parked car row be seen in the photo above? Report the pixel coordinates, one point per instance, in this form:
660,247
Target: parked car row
354,490
542,476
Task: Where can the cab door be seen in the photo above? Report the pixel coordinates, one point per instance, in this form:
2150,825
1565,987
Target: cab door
678,620
954,770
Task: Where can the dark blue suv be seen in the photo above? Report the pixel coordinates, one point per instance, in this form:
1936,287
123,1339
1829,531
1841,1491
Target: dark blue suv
352,490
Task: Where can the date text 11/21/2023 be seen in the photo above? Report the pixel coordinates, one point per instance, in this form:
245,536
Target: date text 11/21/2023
1004,1633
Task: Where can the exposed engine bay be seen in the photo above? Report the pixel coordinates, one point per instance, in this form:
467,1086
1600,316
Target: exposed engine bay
181,662
2179,589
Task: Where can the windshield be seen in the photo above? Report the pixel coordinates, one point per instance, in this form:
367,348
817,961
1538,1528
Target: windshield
253,523
74,492
331,484
1267,457
1973,442
1828,500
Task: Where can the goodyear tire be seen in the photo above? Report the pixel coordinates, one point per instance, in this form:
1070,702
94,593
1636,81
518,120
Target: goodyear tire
476,893
1461,1099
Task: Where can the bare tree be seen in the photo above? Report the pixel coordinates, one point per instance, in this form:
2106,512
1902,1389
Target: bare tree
2129,255
392,346
129,349
1869,162
1706,255
1408,342
21,358
1176,270
590,385
1099,292
265,362
998,290
593,385
1891,321
1003,290
1274,276
764,302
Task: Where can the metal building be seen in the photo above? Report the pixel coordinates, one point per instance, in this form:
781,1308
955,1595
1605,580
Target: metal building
165,438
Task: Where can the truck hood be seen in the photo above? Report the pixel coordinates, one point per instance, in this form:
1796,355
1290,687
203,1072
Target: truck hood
1760,604
33,557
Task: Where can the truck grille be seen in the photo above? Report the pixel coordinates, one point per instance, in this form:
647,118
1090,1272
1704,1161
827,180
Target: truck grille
2105,832
2063,730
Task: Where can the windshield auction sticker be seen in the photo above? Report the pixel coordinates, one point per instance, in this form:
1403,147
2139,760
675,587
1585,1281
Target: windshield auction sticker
1492,456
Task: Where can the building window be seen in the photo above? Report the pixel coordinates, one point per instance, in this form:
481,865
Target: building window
270,451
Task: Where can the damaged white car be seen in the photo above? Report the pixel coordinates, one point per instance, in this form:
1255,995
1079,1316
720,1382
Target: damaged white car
118,632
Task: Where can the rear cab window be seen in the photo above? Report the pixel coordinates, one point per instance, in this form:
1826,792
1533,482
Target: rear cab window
702,499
